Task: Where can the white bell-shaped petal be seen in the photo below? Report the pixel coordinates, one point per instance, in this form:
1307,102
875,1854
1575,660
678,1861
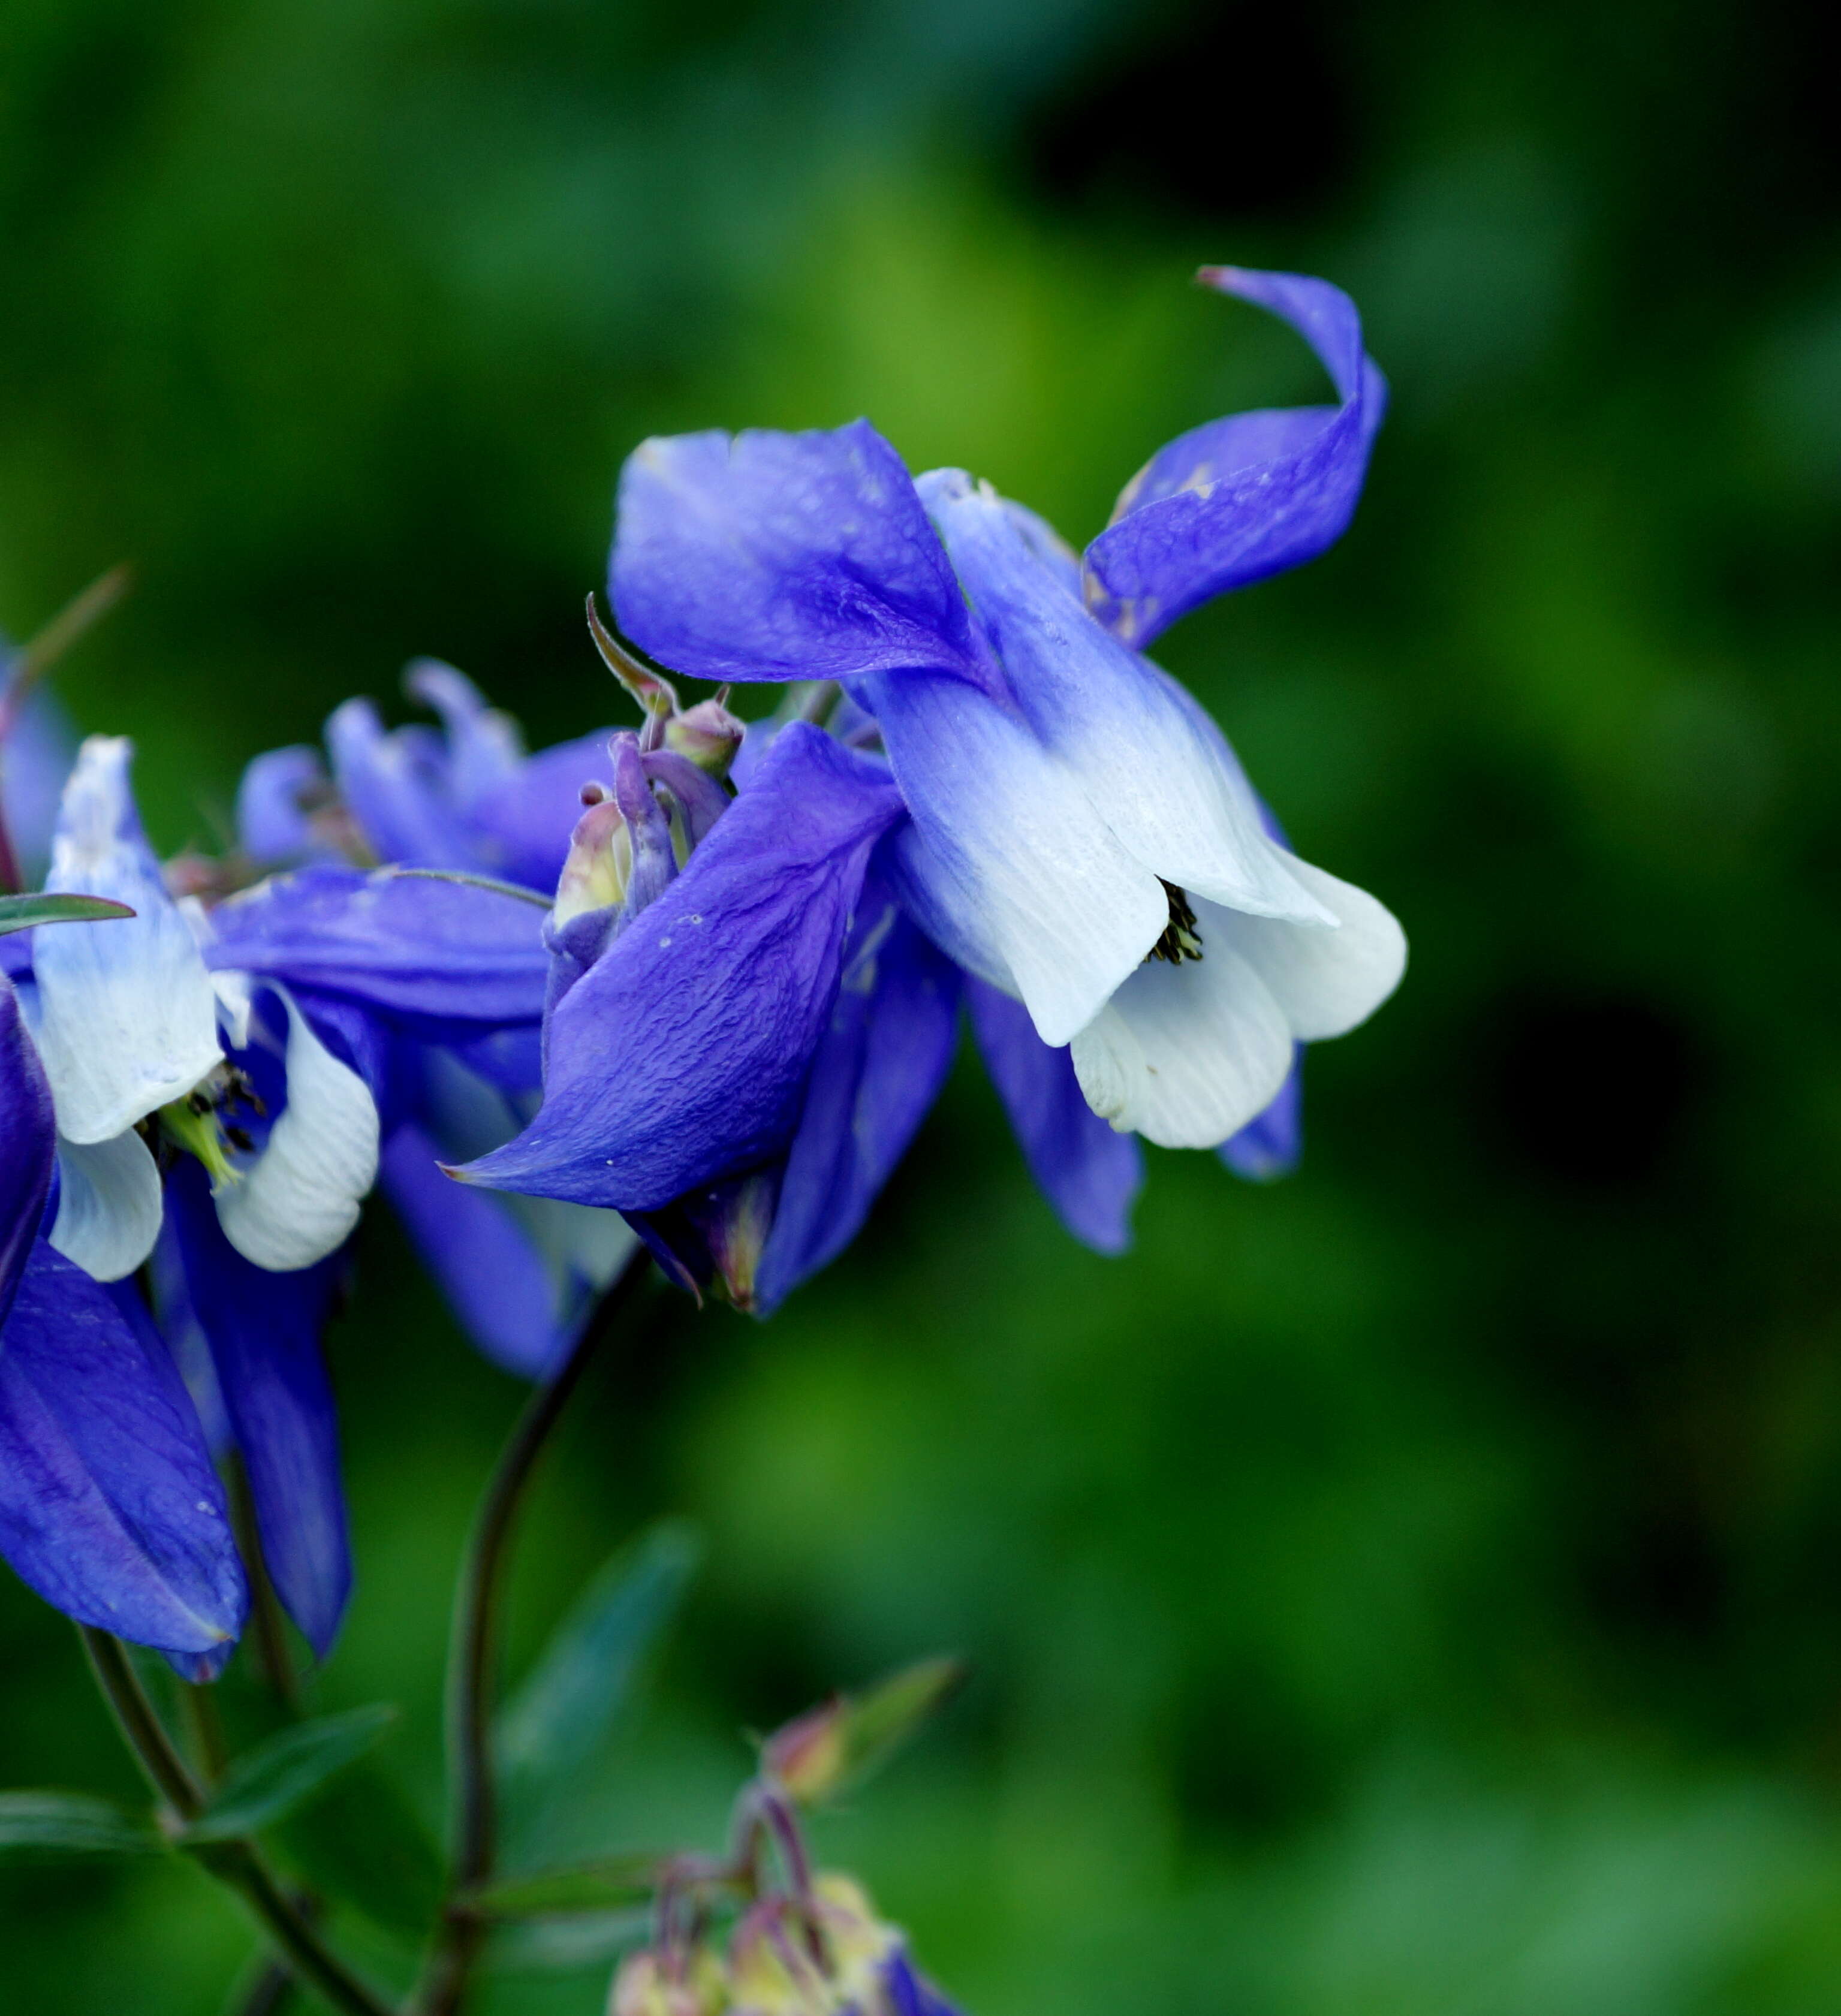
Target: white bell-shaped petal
1012,861
1327,982
299,1198
127,1020
1161,779
1185,1055
109,1205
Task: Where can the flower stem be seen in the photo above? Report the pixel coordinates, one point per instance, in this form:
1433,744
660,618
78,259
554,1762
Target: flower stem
235,1863
473,1655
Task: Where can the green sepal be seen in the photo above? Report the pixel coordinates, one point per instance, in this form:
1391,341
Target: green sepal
22,913
267,1783
67,1826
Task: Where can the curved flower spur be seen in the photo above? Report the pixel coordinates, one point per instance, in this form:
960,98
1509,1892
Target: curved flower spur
1081,838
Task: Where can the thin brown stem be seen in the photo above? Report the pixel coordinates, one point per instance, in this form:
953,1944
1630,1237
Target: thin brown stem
473,1658
269,1628
235,1863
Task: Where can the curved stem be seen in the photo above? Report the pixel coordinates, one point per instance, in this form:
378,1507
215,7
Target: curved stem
472,1656
234,1863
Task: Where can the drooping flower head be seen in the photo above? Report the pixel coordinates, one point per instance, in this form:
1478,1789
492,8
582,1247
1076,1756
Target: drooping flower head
1080,837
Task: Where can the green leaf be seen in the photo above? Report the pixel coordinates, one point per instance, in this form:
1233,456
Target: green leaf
63,1827
568,1700
20,914
602,1884
360,1841
266,1784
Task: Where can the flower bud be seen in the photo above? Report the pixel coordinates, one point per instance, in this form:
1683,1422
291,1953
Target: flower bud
650,1983
840,1742
707,735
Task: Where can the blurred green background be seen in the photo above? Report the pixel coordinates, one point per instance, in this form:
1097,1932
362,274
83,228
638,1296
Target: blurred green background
1410,1589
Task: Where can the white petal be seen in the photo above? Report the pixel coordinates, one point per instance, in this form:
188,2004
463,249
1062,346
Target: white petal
108,1205
299,1199
127,1019
237,1002
1326,982
1017,865
1147,755
1185,1055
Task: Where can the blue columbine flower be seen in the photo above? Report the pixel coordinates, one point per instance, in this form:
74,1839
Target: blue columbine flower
109,1506
204,1108
438,992
1081,838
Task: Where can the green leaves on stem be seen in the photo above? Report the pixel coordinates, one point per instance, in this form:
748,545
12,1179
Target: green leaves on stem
268,1783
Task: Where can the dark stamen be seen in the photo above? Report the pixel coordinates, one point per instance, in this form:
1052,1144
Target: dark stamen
1180,939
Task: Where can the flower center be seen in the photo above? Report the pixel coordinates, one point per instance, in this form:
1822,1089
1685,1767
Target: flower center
1180,939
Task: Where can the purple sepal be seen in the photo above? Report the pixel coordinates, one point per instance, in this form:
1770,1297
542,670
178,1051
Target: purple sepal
767,556
681,1055
1089,1173
1242,498
109,1508
442,952
482,1258
29,1133
1271,1143
876,1073
264,1330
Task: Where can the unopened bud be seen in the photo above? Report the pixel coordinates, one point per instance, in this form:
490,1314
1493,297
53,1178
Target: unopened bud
707,735
840,1742
599,865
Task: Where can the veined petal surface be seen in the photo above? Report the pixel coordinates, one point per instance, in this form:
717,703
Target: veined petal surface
126,1018
406,945
110,1508
1240,499
767,556
682,1054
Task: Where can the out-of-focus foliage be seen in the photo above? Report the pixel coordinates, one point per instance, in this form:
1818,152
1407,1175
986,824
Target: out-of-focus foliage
1409,1589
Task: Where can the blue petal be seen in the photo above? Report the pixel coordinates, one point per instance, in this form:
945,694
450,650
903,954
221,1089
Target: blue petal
109,1506
682,1054
264,1330
482,747
907,1992
1269,1144
783,557
396,786
878,1070
273,826
1242,498
30,1137
1091,1174
404,945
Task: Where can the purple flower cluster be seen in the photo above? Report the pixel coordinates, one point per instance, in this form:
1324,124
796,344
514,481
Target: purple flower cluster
694,985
